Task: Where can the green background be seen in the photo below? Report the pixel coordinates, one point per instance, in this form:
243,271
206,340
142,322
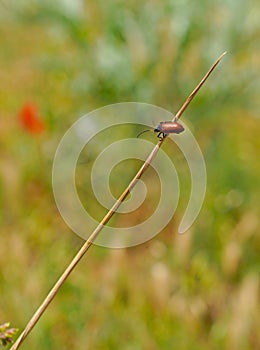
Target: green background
194,291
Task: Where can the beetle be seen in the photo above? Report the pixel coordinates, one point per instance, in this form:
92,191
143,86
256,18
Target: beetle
169,127
166,128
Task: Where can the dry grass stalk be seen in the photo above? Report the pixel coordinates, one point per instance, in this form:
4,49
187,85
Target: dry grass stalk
104,221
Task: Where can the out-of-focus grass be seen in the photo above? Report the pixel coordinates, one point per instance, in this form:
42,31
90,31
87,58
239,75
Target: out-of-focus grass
196,291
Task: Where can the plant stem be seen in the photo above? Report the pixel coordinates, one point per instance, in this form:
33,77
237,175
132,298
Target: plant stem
103,222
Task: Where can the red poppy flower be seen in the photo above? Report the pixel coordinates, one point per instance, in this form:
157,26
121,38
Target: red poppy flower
30,119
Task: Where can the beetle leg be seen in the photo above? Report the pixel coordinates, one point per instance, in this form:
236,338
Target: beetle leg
159,136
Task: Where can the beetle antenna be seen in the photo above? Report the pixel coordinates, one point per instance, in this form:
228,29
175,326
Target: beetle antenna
194,92
143,132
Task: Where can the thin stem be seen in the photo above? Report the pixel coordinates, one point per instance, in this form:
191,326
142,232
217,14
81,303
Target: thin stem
194,92
100,226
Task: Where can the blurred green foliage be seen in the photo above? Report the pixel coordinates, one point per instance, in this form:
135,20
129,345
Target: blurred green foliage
196,291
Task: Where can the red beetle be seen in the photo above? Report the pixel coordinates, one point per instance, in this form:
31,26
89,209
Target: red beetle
166,128
171,127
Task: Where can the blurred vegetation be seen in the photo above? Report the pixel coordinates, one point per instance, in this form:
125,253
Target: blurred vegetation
6,334
195,291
